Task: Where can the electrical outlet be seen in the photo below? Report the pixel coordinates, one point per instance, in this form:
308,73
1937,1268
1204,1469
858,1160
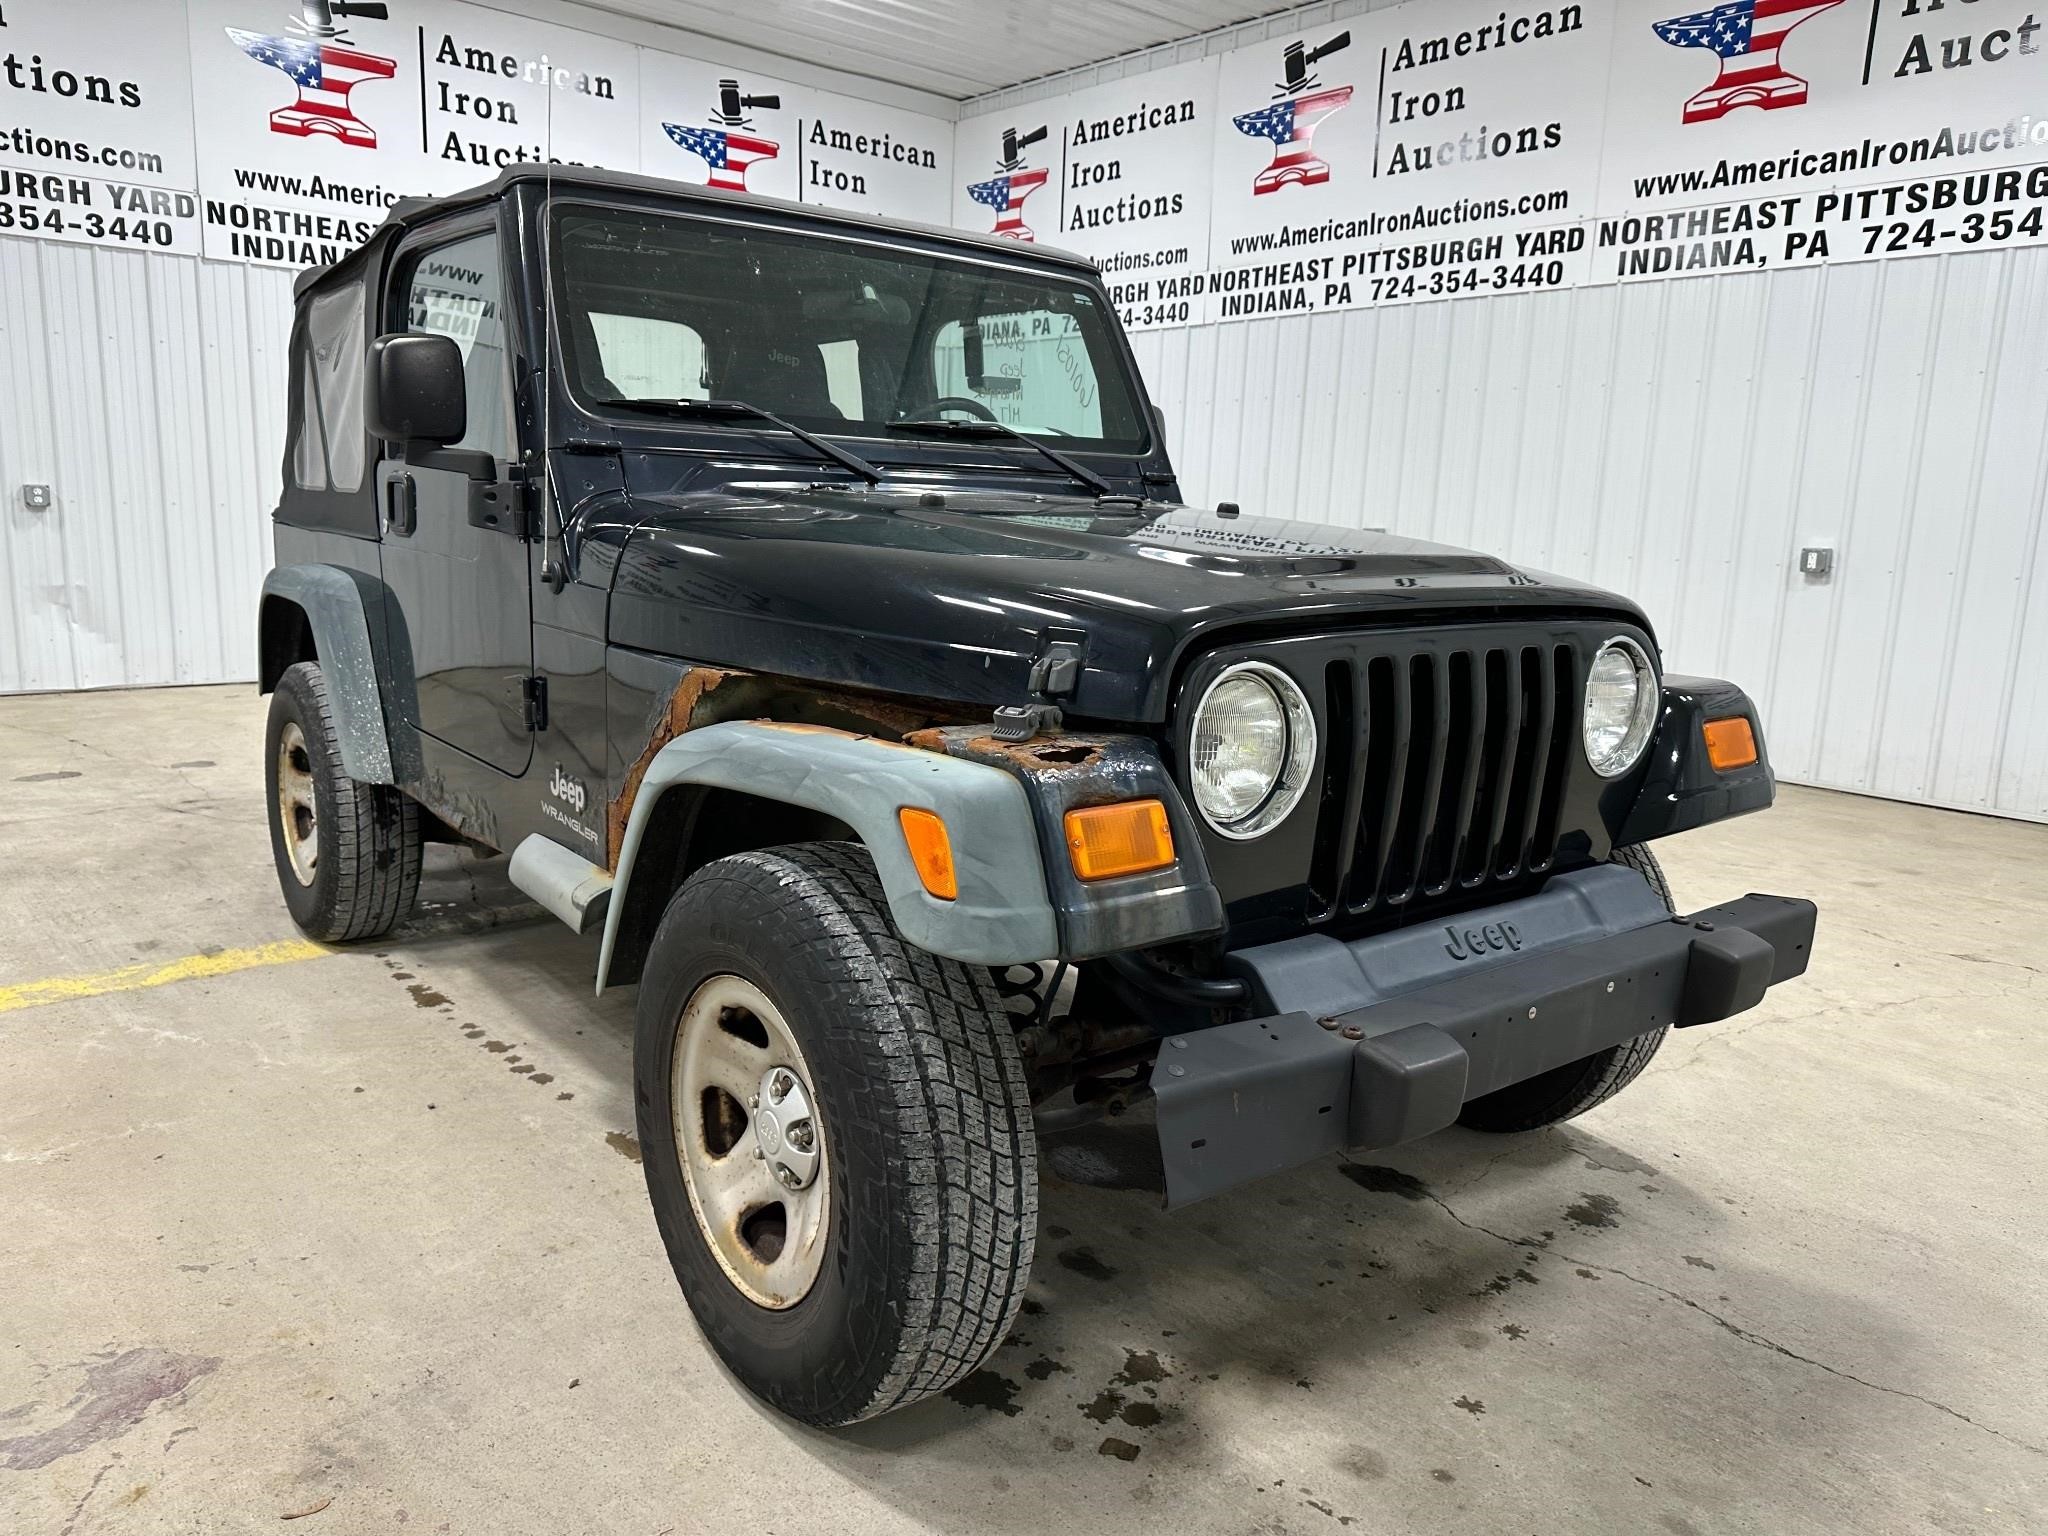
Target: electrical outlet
36,497
1817,562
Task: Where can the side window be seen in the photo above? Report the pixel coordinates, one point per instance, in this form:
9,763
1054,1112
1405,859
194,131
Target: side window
649,359
458,290
328,454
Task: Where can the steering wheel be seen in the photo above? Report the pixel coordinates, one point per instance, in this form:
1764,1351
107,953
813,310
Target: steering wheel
941,403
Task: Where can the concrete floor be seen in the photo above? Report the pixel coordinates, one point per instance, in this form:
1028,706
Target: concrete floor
364,1232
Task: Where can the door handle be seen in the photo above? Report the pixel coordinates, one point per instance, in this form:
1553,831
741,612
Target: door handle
401,506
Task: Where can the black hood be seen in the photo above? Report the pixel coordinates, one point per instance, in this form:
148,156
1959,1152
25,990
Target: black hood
949,596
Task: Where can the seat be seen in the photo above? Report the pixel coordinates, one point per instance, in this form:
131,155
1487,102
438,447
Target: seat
780,373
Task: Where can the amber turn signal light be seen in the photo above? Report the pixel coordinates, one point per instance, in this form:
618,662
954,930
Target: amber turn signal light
931,851
1730,743
1128,838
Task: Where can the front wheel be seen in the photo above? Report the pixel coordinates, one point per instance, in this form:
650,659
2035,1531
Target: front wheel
836,1135
347,854
1570,1090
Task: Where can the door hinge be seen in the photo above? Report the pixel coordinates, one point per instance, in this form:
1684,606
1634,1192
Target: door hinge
503,506
533,702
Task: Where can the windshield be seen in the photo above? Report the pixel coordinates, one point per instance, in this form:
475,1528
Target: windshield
837,336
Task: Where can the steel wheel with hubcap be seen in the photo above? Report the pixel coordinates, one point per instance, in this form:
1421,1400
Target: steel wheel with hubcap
747,1133
836,1135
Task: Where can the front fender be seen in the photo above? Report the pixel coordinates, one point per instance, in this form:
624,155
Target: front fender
1002,915
1683,789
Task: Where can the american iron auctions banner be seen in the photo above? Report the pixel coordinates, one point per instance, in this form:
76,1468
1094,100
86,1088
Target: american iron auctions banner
96,126
313,117
322,116
1454,147
1436,149
1119,173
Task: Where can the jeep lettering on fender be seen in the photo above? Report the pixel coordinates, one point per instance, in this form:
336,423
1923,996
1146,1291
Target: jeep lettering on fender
567,790
941,779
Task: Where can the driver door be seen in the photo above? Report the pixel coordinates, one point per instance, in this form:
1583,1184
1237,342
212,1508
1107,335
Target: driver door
463,589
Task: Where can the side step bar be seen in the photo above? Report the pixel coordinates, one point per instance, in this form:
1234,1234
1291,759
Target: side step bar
563,881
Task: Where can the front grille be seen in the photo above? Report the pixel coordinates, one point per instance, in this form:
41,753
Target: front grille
1456,771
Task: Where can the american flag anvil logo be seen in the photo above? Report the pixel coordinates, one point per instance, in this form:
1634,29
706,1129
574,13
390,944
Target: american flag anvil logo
1291,125
725,155
1746,36
1006,194
325,73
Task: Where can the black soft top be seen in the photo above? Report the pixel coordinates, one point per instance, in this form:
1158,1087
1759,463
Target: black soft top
412,211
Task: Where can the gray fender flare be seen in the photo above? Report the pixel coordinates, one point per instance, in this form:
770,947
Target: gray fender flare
1002,915
340,619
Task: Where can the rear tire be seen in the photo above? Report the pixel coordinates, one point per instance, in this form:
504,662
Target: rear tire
1577,1086
917,1184
347,854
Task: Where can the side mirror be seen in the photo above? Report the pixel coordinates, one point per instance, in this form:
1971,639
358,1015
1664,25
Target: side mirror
413,390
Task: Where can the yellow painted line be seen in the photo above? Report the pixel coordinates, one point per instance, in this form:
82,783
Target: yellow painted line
133,978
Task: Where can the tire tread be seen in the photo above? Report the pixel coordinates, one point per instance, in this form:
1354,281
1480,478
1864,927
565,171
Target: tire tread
943,1090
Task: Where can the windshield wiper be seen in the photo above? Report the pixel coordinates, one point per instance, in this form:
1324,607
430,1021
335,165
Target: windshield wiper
740,409
979,428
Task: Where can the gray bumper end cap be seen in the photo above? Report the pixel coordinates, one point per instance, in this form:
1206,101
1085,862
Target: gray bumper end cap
1405,1084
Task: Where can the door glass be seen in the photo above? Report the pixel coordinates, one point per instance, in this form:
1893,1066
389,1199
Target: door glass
457,290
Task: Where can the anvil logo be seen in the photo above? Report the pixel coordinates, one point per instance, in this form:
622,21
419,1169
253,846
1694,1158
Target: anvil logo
1005,192
728,149
1746,35
316,54
1300,103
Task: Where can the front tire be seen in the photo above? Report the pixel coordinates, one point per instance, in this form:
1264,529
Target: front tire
877,1255
1570,1090
347,854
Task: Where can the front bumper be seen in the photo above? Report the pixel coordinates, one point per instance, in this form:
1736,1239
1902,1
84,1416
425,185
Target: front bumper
1386,1040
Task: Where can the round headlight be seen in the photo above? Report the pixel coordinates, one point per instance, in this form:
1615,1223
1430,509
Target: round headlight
1251,750
1621,707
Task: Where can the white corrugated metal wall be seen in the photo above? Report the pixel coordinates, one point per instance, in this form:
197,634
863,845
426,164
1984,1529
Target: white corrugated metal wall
149,391
1679,442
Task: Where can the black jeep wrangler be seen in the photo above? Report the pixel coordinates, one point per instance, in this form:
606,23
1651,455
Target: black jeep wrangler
806,602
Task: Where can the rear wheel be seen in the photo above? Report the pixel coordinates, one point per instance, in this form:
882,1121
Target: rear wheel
347,854
836,1135
1577,1086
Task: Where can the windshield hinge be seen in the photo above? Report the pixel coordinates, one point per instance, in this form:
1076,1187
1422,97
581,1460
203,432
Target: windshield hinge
533,702
1056,672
